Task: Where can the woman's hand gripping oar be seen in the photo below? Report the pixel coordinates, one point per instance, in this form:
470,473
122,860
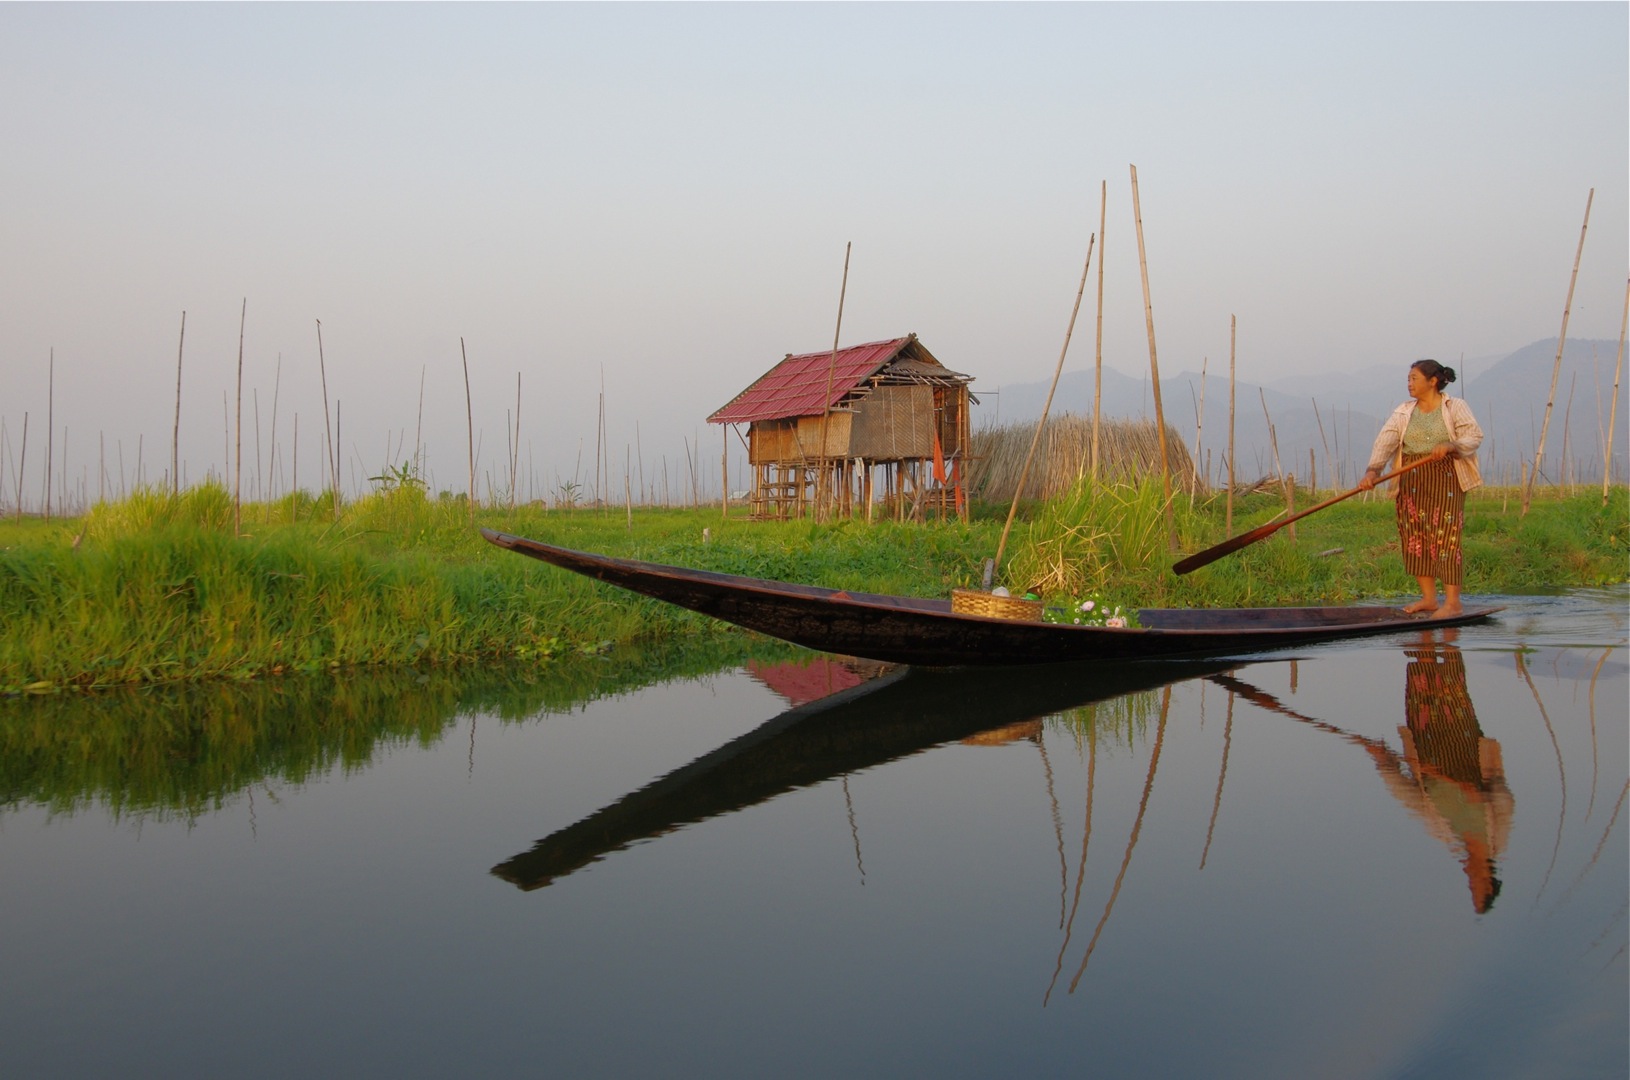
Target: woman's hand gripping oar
1262,532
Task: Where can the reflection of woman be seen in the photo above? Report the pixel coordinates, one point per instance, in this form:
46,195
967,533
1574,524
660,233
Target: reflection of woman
1450,776
1431,499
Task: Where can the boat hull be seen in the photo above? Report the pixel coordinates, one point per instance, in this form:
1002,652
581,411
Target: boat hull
926,632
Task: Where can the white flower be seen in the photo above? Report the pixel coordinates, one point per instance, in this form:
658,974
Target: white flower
1115,622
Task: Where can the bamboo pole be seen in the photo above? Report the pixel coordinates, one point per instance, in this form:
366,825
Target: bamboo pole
826,407
1154,366
175,435
469,421
1228,514
724,474
1199,426
50,424
515,452
271,458
333,469
418,427
1024,473
237,476
1098,345
1613,410
1556,370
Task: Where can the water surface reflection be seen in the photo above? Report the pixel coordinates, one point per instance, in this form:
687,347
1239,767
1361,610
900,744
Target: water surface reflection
1225,869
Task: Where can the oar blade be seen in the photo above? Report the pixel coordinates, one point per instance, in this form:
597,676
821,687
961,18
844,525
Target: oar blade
1227,547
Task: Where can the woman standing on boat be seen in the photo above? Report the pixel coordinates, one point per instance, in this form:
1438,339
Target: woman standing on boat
1432,498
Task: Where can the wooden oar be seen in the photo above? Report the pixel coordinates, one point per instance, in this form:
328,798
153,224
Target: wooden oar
1262,532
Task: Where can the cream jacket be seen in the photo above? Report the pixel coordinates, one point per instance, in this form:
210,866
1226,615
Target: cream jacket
1463,430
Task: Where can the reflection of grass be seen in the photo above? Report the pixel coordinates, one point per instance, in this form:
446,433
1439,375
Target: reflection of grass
155,588
1122,720
184,750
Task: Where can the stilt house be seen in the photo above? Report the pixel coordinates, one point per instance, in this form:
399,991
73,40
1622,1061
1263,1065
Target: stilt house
875,428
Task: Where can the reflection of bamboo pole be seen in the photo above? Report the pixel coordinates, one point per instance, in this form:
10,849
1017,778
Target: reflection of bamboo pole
1594,764
1081,867
1613,410
1098,349
1058,828
1556,370
1132,841
1041,424
1216,804
1561,772
1596,855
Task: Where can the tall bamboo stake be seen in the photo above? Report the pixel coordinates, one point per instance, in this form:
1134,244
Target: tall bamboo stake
826,408
1228,514
1024,473
50,424
515,452
1199,424
175,435
333,468
22,462
1556,370
418,427
1154,365
724,474
469,421
1613,410
271,457
237,476
1098,345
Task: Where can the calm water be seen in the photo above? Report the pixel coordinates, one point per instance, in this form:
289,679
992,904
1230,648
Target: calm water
1401,856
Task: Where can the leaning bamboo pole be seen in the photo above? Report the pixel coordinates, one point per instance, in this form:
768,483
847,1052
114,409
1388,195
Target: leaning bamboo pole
822,503
22,463
1613,410
1098,346
1228,514
333,468
237,463
469,424
1556,369
175,435
1041,424
1154,364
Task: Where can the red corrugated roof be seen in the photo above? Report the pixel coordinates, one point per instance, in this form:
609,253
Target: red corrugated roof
797,385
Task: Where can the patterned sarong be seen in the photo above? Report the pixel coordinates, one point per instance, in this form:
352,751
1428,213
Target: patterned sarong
1431,512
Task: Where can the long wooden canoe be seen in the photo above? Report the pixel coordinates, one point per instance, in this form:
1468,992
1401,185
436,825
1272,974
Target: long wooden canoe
909,630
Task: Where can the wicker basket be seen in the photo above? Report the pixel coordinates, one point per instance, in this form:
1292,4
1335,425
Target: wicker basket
975,602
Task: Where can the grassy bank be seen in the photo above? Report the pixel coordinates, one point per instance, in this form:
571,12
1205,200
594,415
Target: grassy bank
156,589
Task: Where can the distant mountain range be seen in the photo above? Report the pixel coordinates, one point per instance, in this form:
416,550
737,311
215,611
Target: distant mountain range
1336,414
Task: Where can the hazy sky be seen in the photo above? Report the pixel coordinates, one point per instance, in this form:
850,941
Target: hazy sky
663,193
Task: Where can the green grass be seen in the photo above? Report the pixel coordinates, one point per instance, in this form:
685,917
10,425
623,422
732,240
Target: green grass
157,589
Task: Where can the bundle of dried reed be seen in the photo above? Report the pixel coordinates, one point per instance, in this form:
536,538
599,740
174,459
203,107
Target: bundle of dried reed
1127,449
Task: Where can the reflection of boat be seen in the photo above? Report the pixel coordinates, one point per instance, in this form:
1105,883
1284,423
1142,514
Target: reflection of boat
900,712
908,630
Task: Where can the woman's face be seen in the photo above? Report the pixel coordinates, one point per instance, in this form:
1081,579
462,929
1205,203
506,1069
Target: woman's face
1419,385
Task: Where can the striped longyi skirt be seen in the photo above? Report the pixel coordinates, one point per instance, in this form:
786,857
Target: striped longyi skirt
1431,512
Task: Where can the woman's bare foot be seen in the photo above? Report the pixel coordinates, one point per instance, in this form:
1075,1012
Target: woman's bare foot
1449,610
1421,607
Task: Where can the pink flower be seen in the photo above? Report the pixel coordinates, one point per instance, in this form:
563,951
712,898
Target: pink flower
1115,622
